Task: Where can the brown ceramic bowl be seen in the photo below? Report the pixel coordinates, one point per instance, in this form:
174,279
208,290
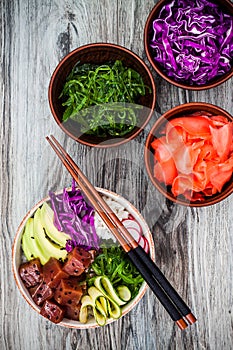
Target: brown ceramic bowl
100,53
179,111
226,5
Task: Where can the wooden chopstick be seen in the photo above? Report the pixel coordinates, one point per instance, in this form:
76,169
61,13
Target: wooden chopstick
169,298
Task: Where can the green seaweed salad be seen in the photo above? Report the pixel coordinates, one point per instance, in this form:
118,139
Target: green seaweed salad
114,264
102,98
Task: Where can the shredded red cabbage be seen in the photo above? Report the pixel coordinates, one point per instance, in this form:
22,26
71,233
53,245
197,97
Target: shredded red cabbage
193,41
74,216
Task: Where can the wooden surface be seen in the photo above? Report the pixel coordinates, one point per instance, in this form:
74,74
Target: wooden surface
194,247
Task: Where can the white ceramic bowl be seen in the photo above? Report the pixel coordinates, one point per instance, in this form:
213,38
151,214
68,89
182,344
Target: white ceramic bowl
17,260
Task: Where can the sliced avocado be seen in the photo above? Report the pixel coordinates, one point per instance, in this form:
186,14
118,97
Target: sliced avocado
26,239
49,248
29,245
47,216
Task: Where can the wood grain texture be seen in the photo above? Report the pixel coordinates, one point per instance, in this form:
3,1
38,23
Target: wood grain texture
194,247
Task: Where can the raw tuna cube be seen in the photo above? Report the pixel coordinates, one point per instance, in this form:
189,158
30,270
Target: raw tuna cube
78,261
80,281
52,311
68,292
53,273
31,272
72,312
41,292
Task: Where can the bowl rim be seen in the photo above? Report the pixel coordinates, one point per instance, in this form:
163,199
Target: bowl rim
104,45
67,323
169,114
220,80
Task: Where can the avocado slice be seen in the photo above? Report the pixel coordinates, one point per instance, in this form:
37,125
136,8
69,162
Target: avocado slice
29,245
47,216
49,248
26,239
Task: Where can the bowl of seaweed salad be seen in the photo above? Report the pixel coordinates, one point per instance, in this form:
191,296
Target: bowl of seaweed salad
102,95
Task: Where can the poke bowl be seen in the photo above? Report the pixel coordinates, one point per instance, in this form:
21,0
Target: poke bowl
189,43
102,95
87,281
189,154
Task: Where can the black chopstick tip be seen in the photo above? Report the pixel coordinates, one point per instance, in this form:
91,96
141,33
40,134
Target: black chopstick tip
191,318
181,324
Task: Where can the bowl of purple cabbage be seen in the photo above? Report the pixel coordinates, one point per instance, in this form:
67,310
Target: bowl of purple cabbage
190,42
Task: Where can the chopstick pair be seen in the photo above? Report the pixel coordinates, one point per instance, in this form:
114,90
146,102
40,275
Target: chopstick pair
169,298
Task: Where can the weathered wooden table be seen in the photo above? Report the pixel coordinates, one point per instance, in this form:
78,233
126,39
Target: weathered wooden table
194,247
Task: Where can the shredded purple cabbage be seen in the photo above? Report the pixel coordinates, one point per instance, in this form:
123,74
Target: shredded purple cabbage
74,216
193,41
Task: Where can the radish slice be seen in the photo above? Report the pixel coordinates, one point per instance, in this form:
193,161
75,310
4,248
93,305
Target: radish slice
128,223
146,247
134,233
144,244
141,242
130,217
